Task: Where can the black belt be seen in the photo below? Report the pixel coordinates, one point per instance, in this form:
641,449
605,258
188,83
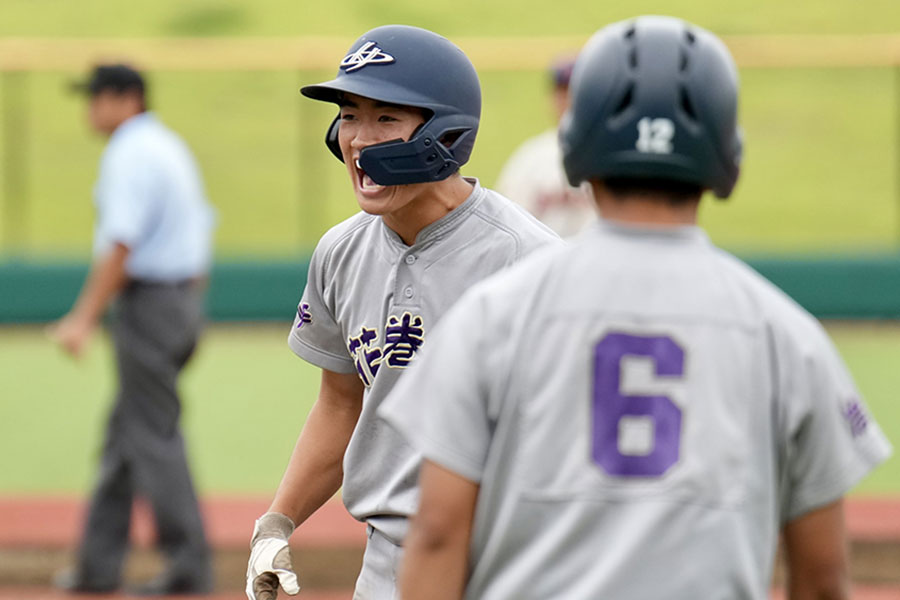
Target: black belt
176,284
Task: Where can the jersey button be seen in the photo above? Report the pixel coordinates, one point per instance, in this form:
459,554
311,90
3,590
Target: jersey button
408,292
410,259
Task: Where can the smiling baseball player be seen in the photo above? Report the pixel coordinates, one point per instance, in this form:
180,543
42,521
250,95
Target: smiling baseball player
410,105
638,415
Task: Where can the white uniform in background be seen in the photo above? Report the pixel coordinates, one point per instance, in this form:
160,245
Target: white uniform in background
533,177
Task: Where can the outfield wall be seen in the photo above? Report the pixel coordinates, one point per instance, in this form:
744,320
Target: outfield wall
840,287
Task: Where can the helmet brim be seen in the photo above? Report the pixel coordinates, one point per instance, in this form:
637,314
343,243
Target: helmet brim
367,87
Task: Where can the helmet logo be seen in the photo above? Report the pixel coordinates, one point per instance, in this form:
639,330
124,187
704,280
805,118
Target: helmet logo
655,136
368,54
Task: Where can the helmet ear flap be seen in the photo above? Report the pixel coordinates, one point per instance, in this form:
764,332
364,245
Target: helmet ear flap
331,138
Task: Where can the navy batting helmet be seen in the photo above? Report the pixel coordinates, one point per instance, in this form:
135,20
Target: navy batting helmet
409,66
654,98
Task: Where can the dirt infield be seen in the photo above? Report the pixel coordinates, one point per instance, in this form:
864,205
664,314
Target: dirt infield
859,593
38,534
26,593
323,570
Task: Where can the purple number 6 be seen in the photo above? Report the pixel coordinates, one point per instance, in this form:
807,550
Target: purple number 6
611,405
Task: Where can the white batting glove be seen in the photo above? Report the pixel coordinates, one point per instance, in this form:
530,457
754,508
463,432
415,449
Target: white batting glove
270,558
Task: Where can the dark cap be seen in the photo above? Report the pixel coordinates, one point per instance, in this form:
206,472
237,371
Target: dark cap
118,78
561,70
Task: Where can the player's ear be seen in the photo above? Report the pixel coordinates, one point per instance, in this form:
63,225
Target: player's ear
331,138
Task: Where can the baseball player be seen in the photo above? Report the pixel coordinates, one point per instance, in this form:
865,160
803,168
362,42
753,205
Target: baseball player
638,415
533,175
378,283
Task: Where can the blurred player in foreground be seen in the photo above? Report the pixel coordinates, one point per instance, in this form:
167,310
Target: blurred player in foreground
152,247
534,177
638,415
410,104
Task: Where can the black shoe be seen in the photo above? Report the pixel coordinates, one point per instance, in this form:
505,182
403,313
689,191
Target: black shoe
168,584
71,581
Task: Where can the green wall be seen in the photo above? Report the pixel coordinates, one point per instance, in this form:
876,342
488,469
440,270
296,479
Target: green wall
851,287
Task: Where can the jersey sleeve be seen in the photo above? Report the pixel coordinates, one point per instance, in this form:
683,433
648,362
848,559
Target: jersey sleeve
831,440
127,199
440,405
315,335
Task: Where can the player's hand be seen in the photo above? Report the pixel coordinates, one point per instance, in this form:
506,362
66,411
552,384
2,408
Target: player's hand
270,558
72,333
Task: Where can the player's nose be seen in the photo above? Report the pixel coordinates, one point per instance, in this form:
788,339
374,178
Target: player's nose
364,135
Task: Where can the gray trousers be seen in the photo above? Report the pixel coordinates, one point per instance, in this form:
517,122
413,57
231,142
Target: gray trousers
155,329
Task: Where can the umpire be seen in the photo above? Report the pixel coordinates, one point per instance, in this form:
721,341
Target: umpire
152,247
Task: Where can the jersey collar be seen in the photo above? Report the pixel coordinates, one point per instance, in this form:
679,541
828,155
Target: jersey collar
661,232
447,223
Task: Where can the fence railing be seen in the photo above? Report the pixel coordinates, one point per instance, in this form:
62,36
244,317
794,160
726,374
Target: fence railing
757,51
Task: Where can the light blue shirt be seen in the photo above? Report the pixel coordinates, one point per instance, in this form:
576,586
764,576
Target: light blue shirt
150,197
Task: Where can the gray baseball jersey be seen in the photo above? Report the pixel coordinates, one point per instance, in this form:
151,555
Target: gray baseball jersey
641,426
369,305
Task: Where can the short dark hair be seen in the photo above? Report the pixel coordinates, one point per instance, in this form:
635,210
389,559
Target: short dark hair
118,78
676,192
561,71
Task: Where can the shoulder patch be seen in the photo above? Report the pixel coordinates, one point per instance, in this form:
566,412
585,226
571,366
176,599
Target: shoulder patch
856,417
303,315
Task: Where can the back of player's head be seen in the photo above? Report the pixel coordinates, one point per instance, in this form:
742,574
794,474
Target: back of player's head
413,67
653,98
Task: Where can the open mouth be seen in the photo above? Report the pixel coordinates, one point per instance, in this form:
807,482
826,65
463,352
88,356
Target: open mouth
366,184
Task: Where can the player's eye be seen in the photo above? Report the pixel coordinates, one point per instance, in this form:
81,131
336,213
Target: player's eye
386,118
347,117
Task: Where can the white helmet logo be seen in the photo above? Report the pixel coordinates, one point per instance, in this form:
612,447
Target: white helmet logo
368,54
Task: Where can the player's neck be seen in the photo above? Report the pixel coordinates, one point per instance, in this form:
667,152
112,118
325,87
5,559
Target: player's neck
645,210
437,200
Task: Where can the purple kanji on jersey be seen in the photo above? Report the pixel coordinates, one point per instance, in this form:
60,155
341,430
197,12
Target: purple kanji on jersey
402,338
366,357
303,315
611,405
856,417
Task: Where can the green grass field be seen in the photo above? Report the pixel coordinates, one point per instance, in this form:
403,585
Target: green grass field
821,143
246,398
96,18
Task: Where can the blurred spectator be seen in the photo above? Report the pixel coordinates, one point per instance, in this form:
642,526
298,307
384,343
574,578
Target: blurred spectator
533,176
152,247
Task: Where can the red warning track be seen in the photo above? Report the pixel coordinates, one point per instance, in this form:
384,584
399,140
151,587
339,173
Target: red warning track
55,522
